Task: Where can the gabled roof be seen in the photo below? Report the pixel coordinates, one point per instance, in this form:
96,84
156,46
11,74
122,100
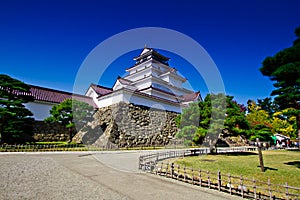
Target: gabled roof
191,97
149,51
57,96
124,81
100,90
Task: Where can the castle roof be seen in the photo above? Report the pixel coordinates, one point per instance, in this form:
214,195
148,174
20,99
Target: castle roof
100,90
151,52
191,97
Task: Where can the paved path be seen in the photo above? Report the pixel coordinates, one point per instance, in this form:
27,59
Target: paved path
106,175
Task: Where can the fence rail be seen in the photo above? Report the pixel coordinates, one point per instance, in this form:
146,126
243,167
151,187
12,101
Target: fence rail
235,185
150,160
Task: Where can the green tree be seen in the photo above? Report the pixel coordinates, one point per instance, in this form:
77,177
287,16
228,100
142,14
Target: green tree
208,119
263,125
15,119
284,70
188,123
187,133
235,120
260,122
284,124
71,113
267,105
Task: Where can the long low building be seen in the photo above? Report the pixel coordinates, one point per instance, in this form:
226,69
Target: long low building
46,98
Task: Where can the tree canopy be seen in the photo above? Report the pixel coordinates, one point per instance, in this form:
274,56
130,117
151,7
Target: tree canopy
263,124
15,119
284,70
72,114
209,118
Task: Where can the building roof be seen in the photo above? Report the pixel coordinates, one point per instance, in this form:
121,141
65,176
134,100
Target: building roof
57,96
149,51
124,81
101,90
191,97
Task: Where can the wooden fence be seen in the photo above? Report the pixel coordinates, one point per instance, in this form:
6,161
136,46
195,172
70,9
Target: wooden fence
235,185
148,161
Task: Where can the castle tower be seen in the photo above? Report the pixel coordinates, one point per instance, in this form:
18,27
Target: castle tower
150,82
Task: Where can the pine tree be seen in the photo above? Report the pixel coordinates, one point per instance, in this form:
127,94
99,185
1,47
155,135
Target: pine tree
15,119
284,70
71,114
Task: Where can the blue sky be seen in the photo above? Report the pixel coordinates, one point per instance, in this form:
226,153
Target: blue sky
45,42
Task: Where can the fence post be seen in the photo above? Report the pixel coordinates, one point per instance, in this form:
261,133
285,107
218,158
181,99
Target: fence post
261,160
192,176
161,168
229,182
254,188
208,179
219,180
156,171
242,187
269,187
184,174
167,170
200,178
172,170
140,162
286,191
178,172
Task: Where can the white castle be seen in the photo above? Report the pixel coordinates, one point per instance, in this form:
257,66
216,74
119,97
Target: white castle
150,82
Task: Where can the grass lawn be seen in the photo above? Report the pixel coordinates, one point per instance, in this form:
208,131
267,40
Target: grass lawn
280,166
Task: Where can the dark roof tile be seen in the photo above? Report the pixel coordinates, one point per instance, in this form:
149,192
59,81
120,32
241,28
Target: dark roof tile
56,96
191,96
100,90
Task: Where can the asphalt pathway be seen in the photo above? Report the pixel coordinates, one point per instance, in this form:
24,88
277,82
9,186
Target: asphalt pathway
90,175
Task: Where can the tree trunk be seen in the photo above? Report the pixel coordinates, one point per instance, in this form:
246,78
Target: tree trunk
298,129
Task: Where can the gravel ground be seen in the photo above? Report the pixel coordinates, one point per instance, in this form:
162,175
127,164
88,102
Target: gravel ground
84,176
41,177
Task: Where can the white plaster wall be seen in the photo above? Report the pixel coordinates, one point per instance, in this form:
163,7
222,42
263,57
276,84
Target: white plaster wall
175,82
39,110
128,97
138,100
139,67
117,86
165,78
143,84
139,75
110,99
162,67
163,95
91,93
174,90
